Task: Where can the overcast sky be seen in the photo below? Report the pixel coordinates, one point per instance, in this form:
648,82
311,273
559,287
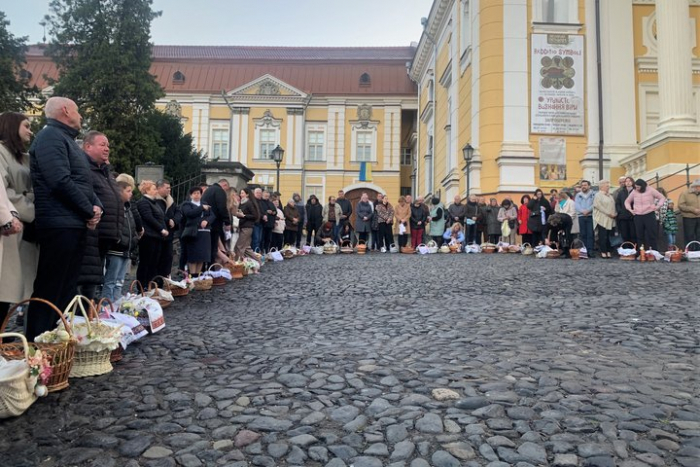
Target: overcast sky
261,22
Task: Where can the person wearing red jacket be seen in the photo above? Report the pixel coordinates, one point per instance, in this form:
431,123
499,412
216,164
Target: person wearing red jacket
523,215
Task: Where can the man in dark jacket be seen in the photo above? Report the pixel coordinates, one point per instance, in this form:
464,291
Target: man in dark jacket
270,211
257,241
96,147
66,207
302,217
215,196
167,204
346,208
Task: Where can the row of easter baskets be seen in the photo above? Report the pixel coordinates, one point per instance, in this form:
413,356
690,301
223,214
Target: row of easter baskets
79,346
628,251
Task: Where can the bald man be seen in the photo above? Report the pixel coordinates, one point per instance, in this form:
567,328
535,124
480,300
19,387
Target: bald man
66,207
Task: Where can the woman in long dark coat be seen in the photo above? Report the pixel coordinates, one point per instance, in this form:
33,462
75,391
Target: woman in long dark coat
196,234
540,210
152,242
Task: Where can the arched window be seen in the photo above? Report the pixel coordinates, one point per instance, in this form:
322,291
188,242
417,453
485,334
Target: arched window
178,78
365,80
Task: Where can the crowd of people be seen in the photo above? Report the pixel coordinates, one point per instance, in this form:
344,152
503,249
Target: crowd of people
69,224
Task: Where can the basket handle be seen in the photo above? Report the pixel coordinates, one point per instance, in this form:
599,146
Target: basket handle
131,287
166,284
38,300
690,243
104,300
525,244
634,247
25,344
153,286
77,302
215,264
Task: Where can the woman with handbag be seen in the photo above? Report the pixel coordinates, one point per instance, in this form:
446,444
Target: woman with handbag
20,252
508,217
540,210
196,235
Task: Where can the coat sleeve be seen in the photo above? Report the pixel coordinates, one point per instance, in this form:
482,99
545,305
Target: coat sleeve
222,211
23,205
6,208
138,223
147,216
51,158
684,204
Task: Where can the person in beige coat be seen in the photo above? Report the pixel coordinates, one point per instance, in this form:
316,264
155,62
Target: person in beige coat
20,253
9,226
604,214
402,215
565,205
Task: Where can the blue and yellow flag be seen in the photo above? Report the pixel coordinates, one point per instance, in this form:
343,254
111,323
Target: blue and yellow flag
365,171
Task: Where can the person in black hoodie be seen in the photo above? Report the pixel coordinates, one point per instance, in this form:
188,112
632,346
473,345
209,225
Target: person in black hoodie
625,219
120,252
472,217
540,210
314,218
172,216
215,196
66,207
151,244
270,211
96,147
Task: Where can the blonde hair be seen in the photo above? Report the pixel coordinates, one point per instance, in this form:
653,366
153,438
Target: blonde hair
126,178
146,185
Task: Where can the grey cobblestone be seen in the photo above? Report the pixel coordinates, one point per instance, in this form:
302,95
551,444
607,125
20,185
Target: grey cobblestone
332,361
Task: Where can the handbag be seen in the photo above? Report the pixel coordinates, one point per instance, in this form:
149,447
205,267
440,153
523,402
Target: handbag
275,255
505,228
190,231
616,239
29,232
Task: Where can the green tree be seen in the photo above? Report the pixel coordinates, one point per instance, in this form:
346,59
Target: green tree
179,158
103,55
15,92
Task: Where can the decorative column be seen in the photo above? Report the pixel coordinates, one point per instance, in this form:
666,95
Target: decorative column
675,66
245,117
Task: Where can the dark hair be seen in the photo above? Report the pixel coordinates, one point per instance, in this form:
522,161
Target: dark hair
162,182
585,181
553,190
203,185
538,190
642,185
522,199
506,203
195,188
9,133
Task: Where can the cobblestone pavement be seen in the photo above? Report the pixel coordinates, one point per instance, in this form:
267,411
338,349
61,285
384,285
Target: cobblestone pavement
335,361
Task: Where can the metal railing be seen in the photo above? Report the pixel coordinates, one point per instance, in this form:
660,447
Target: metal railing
656,180
180,189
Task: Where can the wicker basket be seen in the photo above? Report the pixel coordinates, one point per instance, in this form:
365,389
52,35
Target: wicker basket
554,253
61,355
432,247
237,269
488,248
674,254
17,391
575,250
408,250
89,362
217,281
117,355
346,247
692,255
361,247
174,289
629,257
153,287
330,248
204,283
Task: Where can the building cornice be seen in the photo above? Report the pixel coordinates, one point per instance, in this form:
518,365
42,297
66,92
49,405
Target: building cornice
653,2
436,22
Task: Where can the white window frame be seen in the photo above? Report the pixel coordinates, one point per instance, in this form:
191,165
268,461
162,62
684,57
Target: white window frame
269,143
564,12
369,146
219,127
406,153
315,189
266,123
465,33
316,129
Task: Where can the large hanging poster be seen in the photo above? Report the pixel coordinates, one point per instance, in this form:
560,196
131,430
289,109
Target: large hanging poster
552,159
557,85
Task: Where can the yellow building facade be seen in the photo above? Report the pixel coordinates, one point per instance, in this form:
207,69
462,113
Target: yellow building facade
329,108
518,81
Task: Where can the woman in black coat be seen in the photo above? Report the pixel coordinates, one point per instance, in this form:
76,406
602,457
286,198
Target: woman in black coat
539,207
196,233
314,218
151,244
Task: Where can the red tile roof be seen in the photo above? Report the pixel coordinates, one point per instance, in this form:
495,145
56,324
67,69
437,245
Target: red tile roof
315,70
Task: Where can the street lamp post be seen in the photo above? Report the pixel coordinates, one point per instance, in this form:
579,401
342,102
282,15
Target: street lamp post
468,153
276,155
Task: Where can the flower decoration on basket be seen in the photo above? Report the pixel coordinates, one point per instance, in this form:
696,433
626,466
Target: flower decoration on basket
251,265
40,368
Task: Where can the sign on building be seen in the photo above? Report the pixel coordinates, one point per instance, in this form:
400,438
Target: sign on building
552,159
557,85
149,172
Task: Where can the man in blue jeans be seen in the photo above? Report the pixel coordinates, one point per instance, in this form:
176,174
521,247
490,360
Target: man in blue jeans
583,203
